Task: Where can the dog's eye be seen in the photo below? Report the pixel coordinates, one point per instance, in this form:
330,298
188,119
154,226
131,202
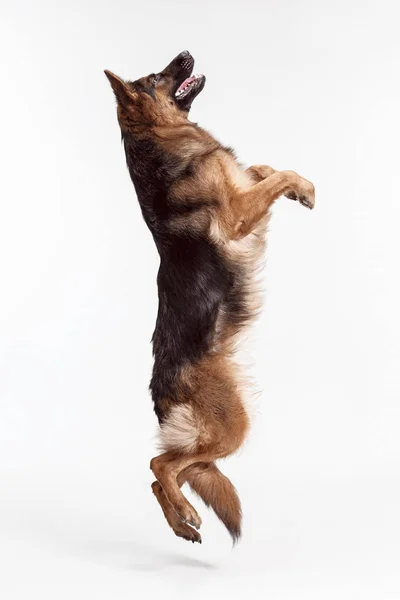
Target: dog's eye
155,79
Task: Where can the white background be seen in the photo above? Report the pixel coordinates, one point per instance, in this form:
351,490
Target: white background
306,85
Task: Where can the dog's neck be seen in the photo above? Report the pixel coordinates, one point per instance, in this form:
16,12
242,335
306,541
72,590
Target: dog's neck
159,157
163,154
148,162
153,170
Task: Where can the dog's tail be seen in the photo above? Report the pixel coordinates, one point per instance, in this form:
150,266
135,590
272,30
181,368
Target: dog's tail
217,491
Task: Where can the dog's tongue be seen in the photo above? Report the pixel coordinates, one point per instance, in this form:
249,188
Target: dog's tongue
186,82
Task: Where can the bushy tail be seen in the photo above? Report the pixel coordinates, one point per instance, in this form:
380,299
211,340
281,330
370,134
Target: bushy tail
217,491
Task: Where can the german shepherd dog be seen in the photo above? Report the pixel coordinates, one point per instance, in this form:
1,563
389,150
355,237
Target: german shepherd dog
208,217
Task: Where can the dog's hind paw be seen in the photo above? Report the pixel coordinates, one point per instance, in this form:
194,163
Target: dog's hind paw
187,533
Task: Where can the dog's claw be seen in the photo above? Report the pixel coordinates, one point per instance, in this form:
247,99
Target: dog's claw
306,202
187,533
303,192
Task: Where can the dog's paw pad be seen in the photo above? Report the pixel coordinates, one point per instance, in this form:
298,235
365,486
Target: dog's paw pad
292,195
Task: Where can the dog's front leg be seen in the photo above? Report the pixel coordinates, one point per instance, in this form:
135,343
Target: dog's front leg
260,172
250,206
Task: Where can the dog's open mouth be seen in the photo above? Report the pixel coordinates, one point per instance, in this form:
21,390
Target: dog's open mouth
189,85
185,86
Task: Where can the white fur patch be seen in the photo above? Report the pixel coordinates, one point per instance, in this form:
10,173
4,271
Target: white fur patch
237,176
180,430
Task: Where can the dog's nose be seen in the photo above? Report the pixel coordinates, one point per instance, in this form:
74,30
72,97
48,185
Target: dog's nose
184,54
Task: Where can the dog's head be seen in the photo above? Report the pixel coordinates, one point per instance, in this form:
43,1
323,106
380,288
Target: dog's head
161,99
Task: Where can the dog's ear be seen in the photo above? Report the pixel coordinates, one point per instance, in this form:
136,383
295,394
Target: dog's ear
121,90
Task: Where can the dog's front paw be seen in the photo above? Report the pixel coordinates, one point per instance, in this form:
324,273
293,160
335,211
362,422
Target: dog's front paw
305,195
307,201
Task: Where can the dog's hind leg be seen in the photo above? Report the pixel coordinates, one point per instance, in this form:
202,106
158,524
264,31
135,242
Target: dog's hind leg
213,426
216,491
180,529
166,469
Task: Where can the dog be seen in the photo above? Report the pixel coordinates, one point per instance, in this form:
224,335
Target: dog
208,217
